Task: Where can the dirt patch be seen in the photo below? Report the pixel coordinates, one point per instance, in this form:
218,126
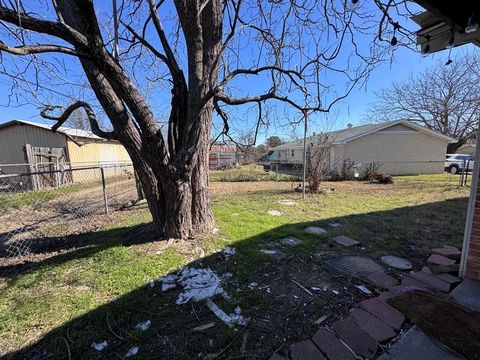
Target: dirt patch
453,325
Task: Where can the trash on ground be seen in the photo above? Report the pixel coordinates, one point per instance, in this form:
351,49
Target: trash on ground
100,346
232,319
229,251
204,327
363,289
144,325
252,285
132,351
203,284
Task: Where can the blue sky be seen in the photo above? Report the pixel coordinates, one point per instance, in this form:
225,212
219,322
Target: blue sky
405,62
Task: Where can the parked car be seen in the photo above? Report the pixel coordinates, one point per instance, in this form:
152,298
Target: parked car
455,163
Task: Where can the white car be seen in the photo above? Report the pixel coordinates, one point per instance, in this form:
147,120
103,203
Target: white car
454,163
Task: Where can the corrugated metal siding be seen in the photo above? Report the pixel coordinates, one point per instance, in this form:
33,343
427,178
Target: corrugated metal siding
13,138
94,153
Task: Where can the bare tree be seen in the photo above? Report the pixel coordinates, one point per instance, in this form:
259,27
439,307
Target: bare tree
78,120
201,53
318,161
442,98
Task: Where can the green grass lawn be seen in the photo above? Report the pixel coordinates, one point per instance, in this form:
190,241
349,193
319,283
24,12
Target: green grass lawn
100,289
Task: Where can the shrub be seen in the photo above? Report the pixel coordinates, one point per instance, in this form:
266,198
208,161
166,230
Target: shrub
368,171
382,178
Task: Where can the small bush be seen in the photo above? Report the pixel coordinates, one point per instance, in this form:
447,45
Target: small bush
368,171
382,178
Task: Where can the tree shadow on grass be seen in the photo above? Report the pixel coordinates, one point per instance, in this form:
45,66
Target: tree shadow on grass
280,311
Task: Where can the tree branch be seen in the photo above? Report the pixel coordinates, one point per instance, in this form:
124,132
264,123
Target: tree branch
109,135
40,49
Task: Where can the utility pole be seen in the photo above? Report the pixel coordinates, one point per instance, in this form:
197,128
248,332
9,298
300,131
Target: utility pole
305,119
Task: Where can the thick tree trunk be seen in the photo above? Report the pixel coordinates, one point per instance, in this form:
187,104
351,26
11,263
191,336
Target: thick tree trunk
202,218
453,147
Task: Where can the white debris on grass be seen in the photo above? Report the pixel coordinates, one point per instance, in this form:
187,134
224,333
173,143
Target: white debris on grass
232,319
363,289
132,351
169,282
202,284
229,251
252,285
335,292
100,346
144,325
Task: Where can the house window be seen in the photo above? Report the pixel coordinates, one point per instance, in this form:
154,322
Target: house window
293,153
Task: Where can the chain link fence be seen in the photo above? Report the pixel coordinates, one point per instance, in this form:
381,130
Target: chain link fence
38,205
350,170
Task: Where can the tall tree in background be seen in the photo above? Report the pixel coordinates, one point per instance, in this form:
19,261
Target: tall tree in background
199,54
442,98
273,141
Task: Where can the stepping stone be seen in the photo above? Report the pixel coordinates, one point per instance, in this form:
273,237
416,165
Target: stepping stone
315,230
382,280
335,224
287,202
277,357
358,340
274,212
408,281
415,345
381,310
305,350
276,254
467,294
331,346
439,269
440,260
396,262
432,281
290,241
384,296
345,241
450,253
451,247
378,330
451,279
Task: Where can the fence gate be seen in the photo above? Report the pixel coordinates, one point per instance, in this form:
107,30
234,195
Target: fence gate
47,165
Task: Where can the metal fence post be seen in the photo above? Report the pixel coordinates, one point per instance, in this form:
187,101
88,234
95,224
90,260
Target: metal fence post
104,187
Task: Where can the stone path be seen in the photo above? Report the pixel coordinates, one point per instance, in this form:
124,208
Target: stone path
345,241
374,322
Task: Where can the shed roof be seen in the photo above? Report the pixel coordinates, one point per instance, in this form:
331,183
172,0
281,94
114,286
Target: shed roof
345,135
69,132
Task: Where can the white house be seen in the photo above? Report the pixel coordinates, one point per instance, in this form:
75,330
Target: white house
401,147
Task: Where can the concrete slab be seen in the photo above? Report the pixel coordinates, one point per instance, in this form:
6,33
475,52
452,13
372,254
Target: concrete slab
396,262
434,282
415,345
382,311
378,330
468,294
315,230
345,241
290,241
331,346
305,350
382,280
359,341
